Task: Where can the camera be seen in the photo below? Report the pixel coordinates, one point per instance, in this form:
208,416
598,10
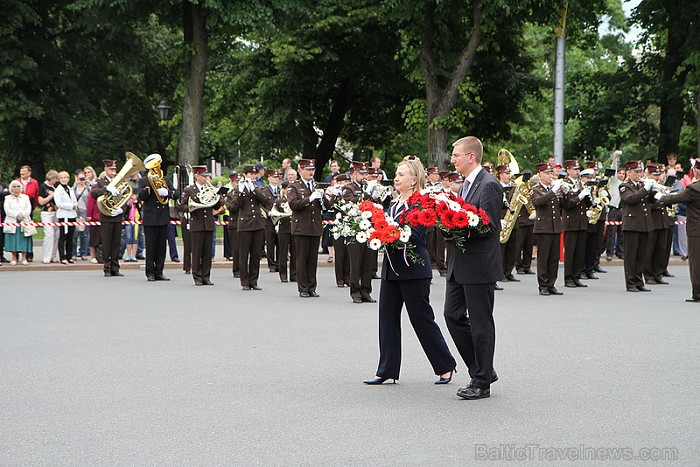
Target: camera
82,179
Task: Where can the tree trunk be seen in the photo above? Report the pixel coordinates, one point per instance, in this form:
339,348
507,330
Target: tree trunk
697,117
334,126
440,102
195,35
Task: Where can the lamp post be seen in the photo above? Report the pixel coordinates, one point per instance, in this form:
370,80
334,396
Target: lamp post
163,111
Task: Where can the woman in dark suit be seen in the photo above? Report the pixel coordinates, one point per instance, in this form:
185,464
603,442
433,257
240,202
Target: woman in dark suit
409,285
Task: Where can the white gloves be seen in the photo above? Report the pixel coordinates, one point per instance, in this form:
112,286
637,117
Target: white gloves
336,190
315,195
112,190
163,191
556,186
532,216
116,212
589,214
596,201
585,192
241,187
503,224
658,195
648,183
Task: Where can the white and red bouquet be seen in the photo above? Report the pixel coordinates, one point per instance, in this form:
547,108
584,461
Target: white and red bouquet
449,213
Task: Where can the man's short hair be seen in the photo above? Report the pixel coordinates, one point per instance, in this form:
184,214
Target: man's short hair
471,144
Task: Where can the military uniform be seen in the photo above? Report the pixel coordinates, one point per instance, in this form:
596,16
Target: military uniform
362,257
271,239
636,225
524,241
435,240
340,248
251,227
307,228
232,229
110,231
657,246
508,248
575,225
156,218
201,228
547,231
286,253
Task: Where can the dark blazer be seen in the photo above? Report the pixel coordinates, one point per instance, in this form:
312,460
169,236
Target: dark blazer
481,262
546,204
152,211
636,208
394,267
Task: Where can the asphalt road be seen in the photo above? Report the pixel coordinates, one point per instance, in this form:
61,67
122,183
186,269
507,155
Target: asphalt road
97,371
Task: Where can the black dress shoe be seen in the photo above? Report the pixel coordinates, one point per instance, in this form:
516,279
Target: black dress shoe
377,381
187,271
313,294
356,300
117,274
660,281
246,287
236,275
641,288
255,287
108,274
207,282
151,278
571,285
140,257
198,283
304,294
590,275
544,292
497,287
445,380
340,285
473,393
632,289
668,274
443,273
554,291
284,279
600,270
161,277
368,299
579,284
528,272
519,272
692,300
511,278
650,281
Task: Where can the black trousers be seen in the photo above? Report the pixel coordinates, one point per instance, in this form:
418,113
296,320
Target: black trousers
469,318
307,261
287,254
201,243
249,242
592,251
186,248
65,240
156,246
657,253
548,246
508,252
694,265
232,235
342,262
669,244
362,263
111,235
574,251
613,239
415,294
436,247
524,241
172,242
272,242
636,254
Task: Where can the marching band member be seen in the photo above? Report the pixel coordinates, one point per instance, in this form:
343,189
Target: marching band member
250,201
286,250
657,245
436,242
201,226
232,224
306,201
503,174
110,224
342,261
524,238
272,192
636,225
592,248
574,222
155,192
546,197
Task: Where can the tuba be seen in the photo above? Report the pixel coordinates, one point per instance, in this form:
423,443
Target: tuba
109,202
155,176
207,197
520,198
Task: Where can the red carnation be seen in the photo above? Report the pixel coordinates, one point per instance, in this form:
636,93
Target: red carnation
427,218
460,219
484,217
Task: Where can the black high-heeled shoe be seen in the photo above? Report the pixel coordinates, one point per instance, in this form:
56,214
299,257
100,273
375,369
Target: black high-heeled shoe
377,381
446,380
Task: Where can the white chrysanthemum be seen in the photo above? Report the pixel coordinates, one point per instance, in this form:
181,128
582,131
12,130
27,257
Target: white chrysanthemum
375,244
365,224
336,235
473,219
361,237
366,214
405,235
338,215
453,205
347,231
354,212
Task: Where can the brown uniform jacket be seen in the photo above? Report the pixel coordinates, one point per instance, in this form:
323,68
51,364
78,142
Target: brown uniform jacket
232,213
285,224
691,197
636,208
573,214
251,207
306,215
201,220
659,216
546,202
100,189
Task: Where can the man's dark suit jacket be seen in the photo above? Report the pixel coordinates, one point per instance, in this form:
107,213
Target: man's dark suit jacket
481,262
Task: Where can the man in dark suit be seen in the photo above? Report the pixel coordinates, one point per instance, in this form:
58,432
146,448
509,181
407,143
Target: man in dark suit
201,226
155,192
305,201
472,274
636,224
691,197
546,197
110,223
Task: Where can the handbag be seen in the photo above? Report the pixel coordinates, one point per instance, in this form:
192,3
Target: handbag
80,228
29,230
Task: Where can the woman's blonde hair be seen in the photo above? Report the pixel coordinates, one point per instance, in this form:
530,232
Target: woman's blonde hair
416,169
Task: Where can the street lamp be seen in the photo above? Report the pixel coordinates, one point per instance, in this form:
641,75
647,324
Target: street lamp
163,111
